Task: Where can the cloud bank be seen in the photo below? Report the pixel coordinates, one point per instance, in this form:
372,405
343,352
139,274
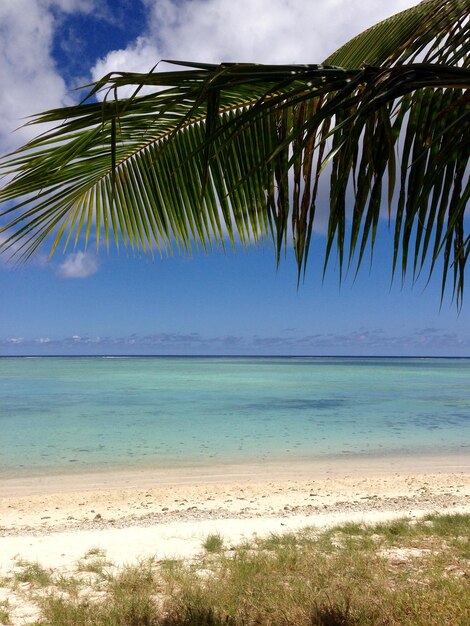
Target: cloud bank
358,342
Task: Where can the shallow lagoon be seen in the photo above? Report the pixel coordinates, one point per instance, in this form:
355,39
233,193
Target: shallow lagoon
85,414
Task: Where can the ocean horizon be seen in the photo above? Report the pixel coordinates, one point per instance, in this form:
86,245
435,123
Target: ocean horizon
231,356
68,414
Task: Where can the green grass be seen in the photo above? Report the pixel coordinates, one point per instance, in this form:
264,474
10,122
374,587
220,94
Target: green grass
213,543
32,573
94,562
346,576
69,584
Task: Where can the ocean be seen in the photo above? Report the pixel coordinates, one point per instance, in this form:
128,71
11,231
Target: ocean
80,414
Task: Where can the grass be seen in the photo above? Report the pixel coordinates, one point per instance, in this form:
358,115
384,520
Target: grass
402,573
4,612
95,552
32,573
130,601
94,562
213,543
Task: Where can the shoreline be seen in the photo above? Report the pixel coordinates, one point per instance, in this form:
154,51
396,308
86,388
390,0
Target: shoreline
114,478
80,511
49,504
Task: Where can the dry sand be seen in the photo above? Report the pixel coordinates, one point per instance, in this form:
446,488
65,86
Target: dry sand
164,514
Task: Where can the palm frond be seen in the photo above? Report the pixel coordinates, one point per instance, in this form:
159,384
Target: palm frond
240,150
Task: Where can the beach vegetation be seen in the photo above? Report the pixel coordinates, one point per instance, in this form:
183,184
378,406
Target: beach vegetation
213,543
98,566
32,573
242,153
94,561
169,564
4,612
368,575
95,552
445,525
72,585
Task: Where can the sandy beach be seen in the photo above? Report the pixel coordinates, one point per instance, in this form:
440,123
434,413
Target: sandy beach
55,520
73,510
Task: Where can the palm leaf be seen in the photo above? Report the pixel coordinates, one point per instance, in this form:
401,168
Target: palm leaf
240,150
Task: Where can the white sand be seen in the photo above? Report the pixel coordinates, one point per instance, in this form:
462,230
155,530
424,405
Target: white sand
167,514
178,540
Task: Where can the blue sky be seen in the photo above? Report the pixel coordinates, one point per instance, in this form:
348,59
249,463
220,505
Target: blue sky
238,303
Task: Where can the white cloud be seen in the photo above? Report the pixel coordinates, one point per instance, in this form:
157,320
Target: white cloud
265,31
30,80
137,57
15,340
79,265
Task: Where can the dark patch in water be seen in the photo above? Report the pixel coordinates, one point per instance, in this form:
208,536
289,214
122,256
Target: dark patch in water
433,421
277,404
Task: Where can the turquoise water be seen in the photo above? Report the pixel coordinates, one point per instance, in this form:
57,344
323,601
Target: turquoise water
80,414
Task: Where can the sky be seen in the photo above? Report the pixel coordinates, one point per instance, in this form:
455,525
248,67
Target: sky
89,302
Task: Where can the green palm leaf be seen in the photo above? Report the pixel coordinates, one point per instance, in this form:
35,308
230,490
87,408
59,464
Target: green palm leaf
240,150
